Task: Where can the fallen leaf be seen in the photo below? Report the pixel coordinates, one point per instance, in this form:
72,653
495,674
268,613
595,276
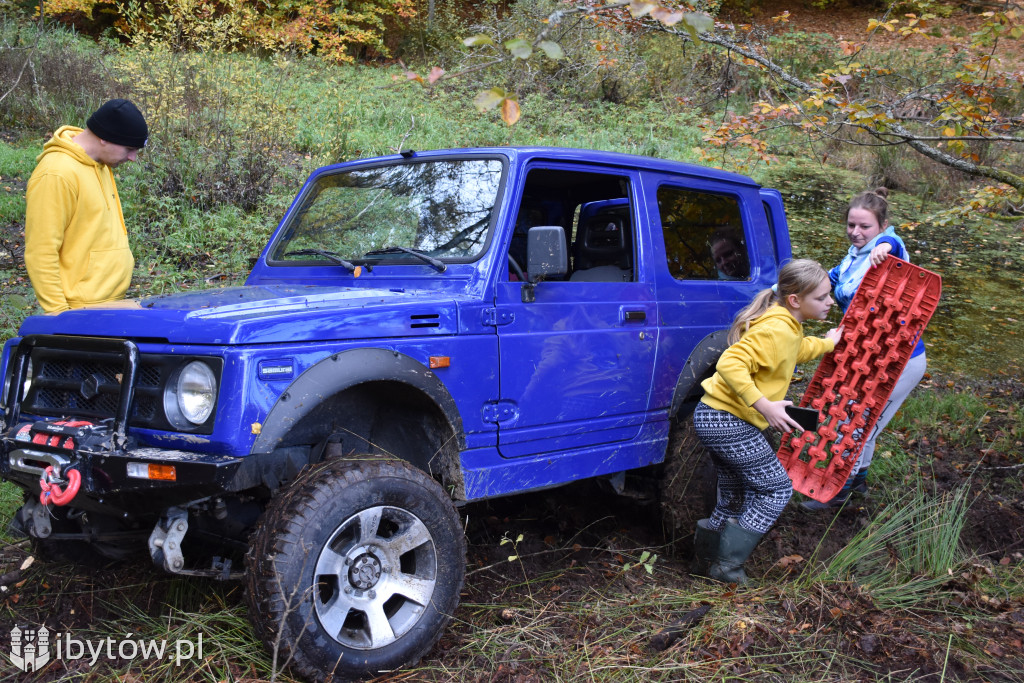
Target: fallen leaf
789,561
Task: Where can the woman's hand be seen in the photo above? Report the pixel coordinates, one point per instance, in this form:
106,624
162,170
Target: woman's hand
835,334
775,413
880,253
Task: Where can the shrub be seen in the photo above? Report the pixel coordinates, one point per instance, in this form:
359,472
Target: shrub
334,29
218,134
203,25
50,77
603,59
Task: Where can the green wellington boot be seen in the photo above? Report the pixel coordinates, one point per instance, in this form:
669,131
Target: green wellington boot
734,548
705,548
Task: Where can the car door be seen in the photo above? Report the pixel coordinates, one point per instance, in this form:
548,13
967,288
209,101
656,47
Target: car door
576,362
710,257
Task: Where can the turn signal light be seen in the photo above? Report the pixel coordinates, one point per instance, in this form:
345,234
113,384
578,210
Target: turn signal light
140,470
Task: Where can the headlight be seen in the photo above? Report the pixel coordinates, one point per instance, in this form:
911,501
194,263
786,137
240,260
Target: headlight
190,397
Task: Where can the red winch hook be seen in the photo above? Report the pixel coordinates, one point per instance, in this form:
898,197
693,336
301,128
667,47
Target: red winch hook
51,492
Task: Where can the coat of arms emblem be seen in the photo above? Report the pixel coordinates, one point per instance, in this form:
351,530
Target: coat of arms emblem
30,647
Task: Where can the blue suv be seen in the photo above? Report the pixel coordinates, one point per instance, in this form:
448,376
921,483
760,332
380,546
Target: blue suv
422,330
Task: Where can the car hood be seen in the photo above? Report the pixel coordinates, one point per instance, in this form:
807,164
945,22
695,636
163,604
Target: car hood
261,314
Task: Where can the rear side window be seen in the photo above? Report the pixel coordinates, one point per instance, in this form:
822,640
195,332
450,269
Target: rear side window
703,234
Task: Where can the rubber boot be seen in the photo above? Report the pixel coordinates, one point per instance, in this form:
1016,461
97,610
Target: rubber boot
705,548
734,548
838,501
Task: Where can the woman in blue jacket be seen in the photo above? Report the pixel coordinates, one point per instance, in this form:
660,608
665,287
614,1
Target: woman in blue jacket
870,244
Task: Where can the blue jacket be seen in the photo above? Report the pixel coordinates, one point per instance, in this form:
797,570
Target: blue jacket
847,276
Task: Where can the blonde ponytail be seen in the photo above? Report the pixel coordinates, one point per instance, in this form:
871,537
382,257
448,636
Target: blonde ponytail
796,277
764,300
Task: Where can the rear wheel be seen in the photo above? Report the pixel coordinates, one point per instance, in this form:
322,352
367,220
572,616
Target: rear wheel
689,484
356,568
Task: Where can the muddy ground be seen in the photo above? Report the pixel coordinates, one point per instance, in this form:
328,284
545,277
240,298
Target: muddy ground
570,576
531,619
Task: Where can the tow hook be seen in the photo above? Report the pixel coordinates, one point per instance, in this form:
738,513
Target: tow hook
51,491
165,541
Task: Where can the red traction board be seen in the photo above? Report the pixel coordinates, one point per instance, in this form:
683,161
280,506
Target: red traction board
892,307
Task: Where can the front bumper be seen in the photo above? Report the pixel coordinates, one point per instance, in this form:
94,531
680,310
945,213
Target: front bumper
116,480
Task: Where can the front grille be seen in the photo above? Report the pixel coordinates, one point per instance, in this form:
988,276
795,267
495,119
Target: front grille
82,382
67,382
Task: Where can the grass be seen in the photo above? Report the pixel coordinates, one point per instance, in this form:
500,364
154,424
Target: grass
744,636
568,614
950,415
10,500
217,636
907,552
16,163
574,612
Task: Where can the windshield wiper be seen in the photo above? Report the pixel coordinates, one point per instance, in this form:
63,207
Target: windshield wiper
440,265
329,255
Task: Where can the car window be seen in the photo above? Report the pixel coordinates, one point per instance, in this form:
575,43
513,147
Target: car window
441,208
594,211
703,234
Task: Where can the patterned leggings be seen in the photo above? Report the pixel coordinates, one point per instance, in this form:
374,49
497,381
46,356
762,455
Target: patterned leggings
753,486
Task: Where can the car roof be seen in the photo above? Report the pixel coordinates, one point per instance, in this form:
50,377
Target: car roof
522,155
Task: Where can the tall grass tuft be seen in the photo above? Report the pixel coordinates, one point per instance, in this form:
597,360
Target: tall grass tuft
230,649
906,553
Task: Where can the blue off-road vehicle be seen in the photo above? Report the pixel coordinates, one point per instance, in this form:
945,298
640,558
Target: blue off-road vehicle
422,330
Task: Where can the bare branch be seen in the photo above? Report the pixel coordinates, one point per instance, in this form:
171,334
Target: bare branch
916,142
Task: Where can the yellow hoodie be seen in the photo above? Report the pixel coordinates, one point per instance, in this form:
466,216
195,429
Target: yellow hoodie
760,364
76,244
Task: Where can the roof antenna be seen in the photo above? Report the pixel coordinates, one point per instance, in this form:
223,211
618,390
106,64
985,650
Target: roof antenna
406,154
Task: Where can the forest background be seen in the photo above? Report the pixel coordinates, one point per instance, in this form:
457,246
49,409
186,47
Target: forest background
819,98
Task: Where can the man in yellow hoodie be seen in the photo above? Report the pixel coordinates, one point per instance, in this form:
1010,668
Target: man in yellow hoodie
76,243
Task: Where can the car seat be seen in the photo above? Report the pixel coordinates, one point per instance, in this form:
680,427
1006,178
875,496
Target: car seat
603,251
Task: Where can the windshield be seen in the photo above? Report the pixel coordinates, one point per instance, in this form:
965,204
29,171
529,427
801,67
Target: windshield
439,208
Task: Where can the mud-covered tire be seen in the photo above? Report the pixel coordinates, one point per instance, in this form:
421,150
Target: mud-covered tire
689,484
355,568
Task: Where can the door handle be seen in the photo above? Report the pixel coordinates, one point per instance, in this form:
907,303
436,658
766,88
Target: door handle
634,316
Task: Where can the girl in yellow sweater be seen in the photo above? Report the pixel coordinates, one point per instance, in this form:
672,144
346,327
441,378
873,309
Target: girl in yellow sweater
744,396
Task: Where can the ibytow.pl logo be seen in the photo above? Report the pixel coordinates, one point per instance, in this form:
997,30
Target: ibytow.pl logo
32,648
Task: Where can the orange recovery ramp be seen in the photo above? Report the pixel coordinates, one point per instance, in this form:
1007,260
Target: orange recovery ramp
852,384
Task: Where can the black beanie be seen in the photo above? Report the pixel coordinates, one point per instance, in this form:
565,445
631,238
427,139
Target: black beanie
119,122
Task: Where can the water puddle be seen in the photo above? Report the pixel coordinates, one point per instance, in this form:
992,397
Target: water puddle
979,325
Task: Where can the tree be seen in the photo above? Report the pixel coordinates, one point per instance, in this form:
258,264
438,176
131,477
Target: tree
949,117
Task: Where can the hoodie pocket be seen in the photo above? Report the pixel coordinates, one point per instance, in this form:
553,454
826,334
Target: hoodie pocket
106,277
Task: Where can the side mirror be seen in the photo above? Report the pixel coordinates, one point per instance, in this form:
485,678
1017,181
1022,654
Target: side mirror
546,255
546,252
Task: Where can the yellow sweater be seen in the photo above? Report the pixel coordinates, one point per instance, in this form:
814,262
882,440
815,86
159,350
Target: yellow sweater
760,364
76,244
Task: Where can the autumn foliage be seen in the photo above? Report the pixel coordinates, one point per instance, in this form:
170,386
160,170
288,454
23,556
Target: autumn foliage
338,30
962,111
